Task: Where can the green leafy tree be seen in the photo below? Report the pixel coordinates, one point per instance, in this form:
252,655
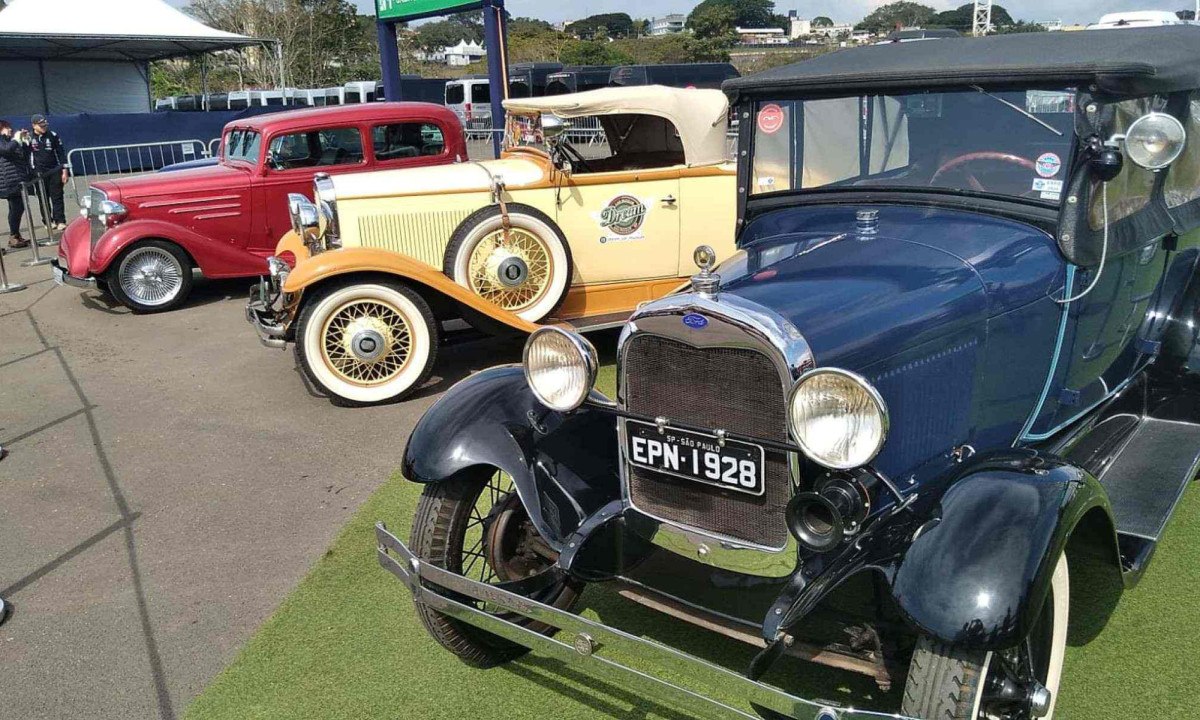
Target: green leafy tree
609,25
897,14
529,27
1019,26
821,21
729,14
962,18
593,52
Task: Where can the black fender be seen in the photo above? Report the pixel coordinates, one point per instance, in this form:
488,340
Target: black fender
979,564
564,465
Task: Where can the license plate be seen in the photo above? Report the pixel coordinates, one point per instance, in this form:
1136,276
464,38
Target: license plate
696,456
59,275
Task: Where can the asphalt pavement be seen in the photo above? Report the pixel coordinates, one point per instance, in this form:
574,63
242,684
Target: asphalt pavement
168,481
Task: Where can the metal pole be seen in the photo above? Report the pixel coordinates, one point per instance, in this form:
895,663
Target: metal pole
389,60
6,287
279,54
496,40
33,241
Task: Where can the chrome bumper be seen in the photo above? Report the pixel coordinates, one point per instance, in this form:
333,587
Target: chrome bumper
262,313
63,277
583,640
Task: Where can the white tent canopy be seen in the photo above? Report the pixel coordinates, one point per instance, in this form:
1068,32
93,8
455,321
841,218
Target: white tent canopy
106,30
72,56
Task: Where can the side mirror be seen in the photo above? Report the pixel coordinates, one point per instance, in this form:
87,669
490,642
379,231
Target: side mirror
1153,141
553,127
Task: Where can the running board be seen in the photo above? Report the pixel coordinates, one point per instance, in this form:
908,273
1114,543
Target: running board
1146,481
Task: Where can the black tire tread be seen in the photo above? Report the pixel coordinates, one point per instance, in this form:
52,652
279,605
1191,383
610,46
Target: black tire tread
466,226
436,529
942,681
305,316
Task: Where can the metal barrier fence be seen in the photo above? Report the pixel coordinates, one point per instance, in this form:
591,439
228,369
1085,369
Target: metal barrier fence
214,147
31,189
130,159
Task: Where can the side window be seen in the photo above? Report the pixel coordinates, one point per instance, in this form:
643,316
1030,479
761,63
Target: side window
1183,179
1130,191
407,140
317,148
455,94
619,143
481,93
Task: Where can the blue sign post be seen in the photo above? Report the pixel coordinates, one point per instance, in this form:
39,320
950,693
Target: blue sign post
389,13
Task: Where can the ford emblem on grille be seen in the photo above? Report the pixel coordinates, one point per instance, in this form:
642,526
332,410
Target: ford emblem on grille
694,321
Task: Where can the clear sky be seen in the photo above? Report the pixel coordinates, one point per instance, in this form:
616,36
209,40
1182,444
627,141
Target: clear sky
1071,11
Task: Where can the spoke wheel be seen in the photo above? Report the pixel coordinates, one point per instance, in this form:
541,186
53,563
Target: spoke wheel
524,269
152,276
512,271
366,343
475,525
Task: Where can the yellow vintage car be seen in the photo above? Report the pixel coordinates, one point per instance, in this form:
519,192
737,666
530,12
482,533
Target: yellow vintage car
593,208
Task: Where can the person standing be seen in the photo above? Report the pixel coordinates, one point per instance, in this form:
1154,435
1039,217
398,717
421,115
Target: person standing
50,164
14,172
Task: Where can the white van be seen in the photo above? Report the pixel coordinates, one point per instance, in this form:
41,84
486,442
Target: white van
471,99
361,91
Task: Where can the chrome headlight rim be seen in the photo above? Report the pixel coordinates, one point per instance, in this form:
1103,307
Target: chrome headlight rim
589,363
325,198
1175,135
872,393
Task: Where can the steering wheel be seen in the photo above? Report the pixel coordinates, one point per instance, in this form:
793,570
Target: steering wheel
576,159
973,157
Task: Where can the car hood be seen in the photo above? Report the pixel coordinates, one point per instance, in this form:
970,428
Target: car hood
515,172
858,299
192,180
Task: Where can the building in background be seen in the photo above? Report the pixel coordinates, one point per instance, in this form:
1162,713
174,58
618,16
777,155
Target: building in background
460,55
798,27
668,24
762,36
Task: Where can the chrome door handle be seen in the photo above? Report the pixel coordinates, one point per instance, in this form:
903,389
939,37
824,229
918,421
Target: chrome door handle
669,200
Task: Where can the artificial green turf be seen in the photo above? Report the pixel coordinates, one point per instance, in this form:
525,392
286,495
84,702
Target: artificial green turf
347,644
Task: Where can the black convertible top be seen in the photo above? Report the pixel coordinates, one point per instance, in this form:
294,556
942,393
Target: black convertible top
1126,62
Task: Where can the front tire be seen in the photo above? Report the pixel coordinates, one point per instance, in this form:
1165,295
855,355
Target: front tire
527,272
366,343
152,276
950,683
475,525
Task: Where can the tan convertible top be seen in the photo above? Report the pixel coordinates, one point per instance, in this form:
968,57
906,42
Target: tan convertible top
700,116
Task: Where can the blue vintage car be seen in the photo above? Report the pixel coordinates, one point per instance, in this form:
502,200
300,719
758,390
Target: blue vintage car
960,331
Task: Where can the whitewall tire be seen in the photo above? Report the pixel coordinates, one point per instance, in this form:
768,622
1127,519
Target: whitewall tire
366,343
526,271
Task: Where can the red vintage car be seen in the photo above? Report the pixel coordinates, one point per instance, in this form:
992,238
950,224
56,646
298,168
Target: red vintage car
140,237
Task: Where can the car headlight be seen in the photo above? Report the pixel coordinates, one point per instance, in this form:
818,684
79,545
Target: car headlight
326,199
560,368
304,217
85,205
111,212
837,418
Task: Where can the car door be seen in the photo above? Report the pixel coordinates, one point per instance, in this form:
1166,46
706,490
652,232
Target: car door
622,225
291,161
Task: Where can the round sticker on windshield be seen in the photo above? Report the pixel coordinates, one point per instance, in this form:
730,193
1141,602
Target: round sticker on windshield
1048,165
770,119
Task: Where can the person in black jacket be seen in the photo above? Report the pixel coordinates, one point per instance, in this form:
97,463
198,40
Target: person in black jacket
50,164
14,171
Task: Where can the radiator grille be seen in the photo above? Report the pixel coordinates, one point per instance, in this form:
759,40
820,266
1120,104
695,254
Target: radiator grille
720,388
97,228
423,235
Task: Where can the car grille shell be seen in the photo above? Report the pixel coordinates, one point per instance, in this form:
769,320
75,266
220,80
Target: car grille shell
728,388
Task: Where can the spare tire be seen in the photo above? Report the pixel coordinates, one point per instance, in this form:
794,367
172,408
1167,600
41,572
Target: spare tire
526,271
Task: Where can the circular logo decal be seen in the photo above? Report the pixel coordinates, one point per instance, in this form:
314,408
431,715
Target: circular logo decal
770,119
694,321
1048,165
624,215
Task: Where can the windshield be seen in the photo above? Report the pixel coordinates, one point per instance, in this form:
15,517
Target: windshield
1009,143
242,145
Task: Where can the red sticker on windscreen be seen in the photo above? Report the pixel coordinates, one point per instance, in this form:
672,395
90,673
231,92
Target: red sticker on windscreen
770,119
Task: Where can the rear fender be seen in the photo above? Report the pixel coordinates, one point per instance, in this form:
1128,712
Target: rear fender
979,564
215,259
564,465
335,263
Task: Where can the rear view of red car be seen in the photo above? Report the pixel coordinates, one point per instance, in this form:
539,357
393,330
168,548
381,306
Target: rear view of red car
140,238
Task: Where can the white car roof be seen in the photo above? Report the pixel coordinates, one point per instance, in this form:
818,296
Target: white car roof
700,116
